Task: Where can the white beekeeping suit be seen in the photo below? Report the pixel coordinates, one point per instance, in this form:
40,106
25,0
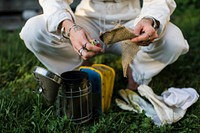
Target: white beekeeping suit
42,36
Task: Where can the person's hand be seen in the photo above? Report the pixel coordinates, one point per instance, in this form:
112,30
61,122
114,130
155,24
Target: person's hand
145,32
81,40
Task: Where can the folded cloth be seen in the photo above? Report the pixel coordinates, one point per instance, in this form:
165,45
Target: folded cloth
172,105
180,98
163,111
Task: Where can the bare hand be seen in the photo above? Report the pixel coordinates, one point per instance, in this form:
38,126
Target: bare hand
80,40
145,32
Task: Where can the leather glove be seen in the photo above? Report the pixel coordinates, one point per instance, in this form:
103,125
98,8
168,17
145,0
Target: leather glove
129,102
133,102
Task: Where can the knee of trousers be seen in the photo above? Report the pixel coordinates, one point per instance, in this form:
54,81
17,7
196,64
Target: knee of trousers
174,42
176,48
32,32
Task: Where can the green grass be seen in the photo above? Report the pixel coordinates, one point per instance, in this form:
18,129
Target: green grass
22,111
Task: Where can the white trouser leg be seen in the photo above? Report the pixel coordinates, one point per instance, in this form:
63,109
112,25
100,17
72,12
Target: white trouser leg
150,60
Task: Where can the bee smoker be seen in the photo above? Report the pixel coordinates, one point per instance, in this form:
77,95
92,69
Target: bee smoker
71,91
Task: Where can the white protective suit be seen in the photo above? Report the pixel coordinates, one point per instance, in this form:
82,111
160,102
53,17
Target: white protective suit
42,37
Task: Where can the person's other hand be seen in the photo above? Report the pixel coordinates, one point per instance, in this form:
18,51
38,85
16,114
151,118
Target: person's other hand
145,32
80,40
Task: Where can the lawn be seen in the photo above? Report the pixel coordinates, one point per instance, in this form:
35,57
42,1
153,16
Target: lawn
22,111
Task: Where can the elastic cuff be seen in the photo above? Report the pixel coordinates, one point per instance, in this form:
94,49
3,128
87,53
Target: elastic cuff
155,24
55,19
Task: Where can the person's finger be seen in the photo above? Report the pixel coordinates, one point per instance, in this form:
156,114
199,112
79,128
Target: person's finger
80,51
84,53
140,38
92,47
146,36
88,54
85,45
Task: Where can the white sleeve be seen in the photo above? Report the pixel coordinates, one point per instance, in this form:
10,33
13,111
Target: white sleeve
159,9
55,11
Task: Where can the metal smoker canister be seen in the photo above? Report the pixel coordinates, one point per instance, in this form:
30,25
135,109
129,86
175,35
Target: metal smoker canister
75,96
72,91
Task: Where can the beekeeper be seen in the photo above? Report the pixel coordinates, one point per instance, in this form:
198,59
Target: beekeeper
61,38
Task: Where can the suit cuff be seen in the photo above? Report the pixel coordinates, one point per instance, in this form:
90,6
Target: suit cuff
56,18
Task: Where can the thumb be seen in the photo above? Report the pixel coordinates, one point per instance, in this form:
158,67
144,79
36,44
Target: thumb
123,105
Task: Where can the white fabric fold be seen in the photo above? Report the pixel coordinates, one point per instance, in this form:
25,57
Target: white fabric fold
172,105
164,113
180,98
133,102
